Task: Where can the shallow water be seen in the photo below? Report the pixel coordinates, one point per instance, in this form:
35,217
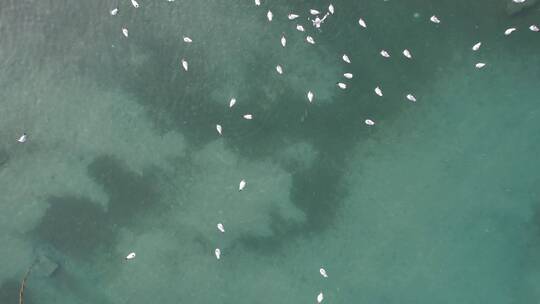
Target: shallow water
438,202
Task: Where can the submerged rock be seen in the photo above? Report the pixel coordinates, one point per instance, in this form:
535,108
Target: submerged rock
513,8
44,267
4,157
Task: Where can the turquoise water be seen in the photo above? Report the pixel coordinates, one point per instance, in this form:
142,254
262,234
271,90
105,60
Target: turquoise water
438,202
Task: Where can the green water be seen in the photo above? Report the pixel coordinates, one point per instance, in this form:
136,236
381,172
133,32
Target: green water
438,202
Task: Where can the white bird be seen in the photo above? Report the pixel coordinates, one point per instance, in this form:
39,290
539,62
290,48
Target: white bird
187,39
114,11
362,23
407,53
217,253
269,15
346,58
300,28
477,46
341,85
242,185
480,65
310,96
509,31
232,102
348,75
369,122
310,40
248,116
519,1
125,32
184,64
385,54
283,41
331,9
279,69
314,12
534,28
23,138
135,3
130,256
292,16
411,97
219,129
317,22
320,297
322,271
378,91
257,2
434,19
220,227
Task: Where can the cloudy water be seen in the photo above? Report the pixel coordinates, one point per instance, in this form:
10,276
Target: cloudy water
425,190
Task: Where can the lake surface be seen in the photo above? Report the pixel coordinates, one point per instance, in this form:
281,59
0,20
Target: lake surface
437,202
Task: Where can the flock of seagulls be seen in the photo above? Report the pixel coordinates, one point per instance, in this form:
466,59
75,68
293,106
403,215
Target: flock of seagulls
317,23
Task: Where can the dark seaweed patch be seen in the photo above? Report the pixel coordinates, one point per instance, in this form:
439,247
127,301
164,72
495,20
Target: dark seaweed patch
79,227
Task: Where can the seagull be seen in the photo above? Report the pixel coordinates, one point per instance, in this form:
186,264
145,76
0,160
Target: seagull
135,3
23,138
320,297
378,91
369,122
283,40
341,85
300,28
411,97
323,272
434,19
232,102
310,39
184,64
310,96
534,28
476,47
362,23
385,54
318,21
292,16
407,53
248,116
130,256
331,9
217,252
269,15
220,227
346,58
348,75
219,129
509,31
480,65
114,11
279,69
187,39
257,2
314,12
125,32
242,185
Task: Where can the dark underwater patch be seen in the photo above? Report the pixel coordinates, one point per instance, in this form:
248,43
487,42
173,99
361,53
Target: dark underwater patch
79,227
